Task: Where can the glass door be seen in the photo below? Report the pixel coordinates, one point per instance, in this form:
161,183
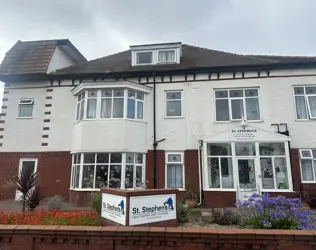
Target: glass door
247,174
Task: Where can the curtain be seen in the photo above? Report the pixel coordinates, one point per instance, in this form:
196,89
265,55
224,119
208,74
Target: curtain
300,107
237,109
92,108
307,170
106,106
118,105
166,56
252,109
140,110
130,108
174,176
312,105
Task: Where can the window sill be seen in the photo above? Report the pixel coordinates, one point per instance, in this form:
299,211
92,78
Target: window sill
308,182
174,117
110,119
238,121
221,189
277,191
25,118
84,189
305,120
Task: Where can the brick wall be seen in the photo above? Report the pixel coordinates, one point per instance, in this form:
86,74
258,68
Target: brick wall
130,238
54,169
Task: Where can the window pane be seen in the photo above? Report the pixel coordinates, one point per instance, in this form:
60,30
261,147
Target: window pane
306,153
139,175
82,110
116,158
174,158
174,176
28,167
281,173
87,176
131,108
89,158
118,104
140,96
272,149
106,106
307,170
131,94
173,108
166,56
139,158
312,105
144,57
173,95
251,92
314,153
78,111
115,176
218,149
236,93
118,92
310,90
267,173
140,114
102,158
299,90
25,110
107,93
130,158
237,109
300,107
222,111
227,173
129,176
252,109
221,94
92,93
213,172
101,179
92,108
77,175
245,149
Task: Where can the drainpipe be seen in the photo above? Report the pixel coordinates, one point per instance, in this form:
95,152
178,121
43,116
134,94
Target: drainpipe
154,131
200,172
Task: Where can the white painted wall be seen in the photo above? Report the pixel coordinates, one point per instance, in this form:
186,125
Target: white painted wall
59,60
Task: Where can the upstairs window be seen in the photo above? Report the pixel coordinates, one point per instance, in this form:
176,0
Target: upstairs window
110,103
145,57
26,108
174,103
166,56
237,104
305,102
308,165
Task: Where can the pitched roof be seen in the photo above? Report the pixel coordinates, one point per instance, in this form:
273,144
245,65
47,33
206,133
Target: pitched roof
32,57
287,59
192,57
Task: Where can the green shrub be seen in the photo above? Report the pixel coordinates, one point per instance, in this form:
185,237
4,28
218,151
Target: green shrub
184,212
96,203
224,218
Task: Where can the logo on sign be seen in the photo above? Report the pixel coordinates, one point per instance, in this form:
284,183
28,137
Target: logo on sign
167,205
119,209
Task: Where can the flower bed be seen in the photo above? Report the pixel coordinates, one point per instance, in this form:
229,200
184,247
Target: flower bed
54,217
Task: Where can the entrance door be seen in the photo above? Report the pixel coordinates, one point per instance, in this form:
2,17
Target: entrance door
29,165
247,178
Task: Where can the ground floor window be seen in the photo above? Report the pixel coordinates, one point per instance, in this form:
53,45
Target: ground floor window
308,165
250,166
174,170
115,170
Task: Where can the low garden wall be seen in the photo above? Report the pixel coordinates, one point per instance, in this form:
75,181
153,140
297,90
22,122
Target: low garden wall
108,238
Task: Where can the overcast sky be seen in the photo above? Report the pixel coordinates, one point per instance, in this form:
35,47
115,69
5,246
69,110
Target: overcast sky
101,27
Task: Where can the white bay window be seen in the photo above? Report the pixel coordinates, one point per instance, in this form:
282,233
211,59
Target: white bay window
91,171
237,104
110,103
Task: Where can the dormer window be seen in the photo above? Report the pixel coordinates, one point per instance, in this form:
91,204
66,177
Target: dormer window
165,56
153,54
144,57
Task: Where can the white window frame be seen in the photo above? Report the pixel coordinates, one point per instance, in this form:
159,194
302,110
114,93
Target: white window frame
25,102
99,99
313,159
166,50
243,98
181,102
182,162
108,164
144,51
91,98
307,105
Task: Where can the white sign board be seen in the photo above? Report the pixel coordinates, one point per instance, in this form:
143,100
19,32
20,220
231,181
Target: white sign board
114,208
240,134
154,208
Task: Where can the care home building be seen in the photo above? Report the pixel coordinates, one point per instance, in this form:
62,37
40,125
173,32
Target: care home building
172,115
